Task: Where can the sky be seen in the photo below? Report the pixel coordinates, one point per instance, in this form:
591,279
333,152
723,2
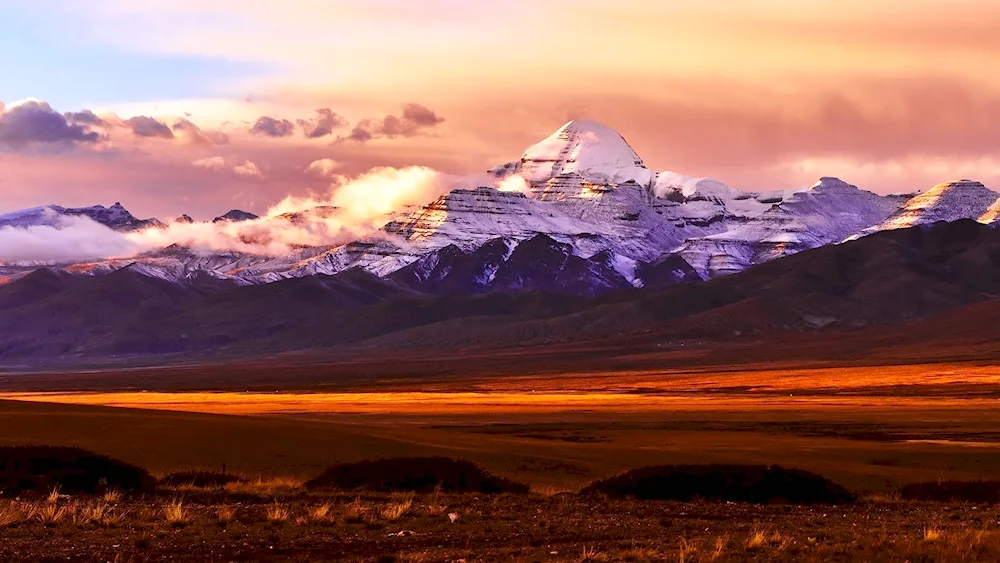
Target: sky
201,106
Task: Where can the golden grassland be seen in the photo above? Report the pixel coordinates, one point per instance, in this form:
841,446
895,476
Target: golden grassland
870,428
930,386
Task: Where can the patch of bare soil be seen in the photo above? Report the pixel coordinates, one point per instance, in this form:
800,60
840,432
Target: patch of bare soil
286,524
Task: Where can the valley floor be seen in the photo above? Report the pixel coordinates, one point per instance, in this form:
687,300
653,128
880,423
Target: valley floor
871,428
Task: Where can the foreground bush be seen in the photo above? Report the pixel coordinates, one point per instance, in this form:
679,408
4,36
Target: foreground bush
418,474
741,483
200,479
948,491
73,470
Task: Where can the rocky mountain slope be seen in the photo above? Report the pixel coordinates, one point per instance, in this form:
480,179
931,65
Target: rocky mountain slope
889,277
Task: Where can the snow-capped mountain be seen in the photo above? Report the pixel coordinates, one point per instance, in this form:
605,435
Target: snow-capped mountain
578,212
948,201
115,217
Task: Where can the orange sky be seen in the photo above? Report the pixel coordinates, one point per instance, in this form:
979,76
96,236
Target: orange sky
761,94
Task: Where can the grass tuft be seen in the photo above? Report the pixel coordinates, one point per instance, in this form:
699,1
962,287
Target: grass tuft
321,513
99,513
277,514
396,509
13,513
175,514
50,514
225,515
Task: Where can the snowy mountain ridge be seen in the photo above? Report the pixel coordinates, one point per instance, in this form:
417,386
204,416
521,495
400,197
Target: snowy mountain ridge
588,205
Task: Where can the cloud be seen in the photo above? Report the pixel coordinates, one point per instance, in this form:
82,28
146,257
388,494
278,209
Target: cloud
352,209
35,122
323,168
196,135
149,127
246,168
323,124
415,119
420,116
84,117
72,239
271,127
211,163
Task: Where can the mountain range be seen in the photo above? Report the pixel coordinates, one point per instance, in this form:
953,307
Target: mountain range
582,198
577,239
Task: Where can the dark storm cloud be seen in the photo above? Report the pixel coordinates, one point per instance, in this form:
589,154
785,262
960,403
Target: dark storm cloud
415,119
145,126
323,124
35,122
271,127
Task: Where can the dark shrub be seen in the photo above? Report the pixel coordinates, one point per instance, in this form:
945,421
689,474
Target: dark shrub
74,470
945,491
420,474
741,483
200,479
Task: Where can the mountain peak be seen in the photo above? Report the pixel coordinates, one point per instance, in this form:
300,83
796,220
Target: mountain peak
235,215
831,182
583,146
947,201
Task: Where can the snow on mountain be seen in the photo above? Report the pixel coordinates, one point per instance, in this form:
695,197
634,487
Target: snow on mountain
586,207
827,212
948,201
115,217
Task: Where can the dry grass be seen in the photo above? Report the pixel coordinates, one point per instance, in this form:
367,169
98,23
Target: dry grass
636,554
885,497
266,487
175,514
99,513
112,496
686,549
590,553
321,513
14,512
225,514
761,537
51,514
53,496
278,514
721,543
932,534
550,490
396,509
356,509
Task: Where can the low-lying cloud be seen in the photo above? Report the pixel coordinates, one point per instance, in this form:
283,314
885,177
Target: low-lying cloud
71,239
352,209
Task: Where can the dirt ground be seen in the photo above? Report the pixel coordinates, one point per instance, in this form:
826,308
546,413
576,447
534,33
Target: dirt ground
500,528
